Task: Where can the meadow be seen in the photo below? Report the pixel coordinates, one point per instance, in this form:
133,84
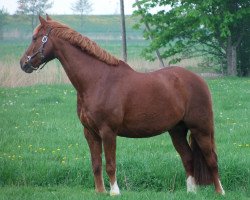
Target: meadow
43,154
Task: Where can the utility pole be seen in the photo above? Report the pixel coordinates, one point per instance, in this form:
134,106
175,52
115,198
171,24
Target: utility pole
123,27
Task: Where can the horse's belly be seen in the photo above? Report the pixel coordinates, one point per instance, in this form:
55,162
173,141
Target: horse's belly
147,126
139,133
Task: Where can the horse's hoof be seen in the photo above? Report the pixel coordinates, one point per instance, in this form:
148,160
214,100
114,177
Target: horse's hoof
115,193
221,192
114,190
191,186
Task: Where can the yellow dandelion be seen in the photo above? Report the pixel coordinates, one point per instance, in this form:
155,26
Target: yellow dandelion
247,145
58,149
63,162
19,146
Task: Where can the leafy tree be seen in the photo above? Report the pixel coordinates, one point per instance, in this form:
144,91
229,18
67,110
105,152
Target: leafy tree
33,8
191,28
82,7
3,21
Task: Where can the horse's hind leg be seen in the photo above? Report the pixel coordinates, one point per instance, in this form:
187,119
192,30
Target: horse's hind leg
205,141
95,146
179,138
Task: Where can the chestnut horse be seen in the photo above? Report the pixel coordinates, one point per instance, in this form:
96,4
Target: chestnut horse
114,100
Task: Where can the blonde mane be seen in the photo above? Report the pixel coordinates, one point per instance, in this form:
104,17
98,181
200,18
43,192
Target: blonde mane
64,32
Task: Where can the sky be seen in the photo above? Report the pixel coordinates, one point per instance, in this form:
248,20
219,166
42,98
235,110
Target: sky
99,7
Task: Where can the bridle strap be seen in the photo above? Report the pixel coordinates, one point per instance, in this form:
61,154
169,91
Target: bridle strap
39,51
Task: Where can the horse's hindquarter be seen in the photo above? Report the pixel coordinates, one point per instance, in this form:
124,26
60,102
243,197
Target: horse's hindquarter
155,103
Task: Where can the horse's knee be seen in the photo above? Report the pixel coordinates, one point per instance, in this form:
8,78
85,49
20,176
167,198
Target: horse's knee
110,169
97,170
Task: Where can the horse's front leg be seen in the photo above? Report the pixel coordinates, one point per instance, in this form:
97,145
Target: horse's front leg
109,144
95,146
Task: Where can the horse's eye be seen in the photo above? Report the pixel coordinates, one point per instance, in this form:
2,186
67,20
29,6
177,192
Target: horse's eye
34,38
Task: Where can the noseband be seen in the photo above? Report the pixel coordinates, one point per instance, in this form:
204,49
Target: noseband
39,52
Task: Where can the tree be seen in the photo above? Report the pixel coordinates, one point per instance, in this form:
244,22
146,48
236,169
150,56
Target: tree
148,30
33,8
82,7
3,21
192,28
243,52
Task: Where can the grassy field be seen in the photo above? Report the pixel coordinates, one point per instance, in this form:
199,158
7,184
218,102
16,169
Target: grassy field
44,155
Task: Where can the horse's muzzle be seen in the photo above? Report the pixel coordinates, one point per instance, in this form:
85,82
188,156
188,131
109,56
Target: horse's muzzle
26,66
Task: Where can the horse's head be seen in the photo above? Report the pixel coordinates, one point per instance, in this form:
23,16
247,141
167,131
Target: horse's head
40,50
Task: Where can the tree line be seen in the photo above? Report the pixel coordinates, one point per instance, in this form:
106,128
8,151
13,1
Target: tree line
31,9
218,31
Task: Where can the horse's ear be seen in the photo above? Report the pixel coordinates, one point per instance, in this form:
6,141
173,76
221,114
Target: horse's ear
48,18
42,21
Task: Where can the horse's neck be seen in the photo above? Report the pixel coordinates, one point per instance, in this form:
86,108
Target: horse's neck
82,69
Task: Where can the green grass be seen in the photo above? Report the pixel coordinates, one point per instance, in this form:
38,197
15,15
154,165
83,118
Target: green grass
44,155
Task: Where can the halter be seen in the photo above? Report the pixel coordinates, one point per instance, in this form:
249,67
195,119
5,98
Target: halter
40,52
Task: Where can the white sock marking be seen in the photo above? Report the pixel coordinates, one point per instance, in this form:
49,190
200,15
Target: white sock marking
191,186
114,189
222,190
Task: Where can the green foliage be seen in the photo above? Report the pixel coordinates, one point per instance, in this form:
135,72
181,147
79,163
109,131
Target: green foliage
43,152
185,28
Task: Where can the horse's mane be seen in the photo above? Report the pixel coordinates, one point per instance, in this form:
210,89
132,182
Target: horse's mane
64,32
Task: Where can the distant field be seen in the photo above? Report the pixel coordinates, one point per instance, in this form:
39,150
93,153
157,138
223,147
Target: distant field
105,30
43,154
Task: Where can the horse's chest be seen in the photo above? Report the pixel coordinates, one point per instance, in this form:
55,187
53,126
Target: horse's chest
87,119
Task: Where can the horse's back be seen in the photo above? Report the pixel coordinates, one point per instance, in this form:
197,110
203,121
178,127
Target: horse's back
159,100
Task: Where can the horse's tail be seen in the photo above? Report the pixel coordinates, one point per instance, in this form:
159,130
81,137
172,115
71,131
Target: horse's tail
202,173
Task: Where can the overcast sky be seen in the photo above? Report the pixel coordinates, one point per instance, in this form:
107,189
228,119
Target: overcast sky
100,7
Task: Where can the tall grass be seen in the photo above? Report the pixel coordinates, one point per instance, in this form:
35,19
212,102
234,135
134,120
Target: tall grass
42,147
